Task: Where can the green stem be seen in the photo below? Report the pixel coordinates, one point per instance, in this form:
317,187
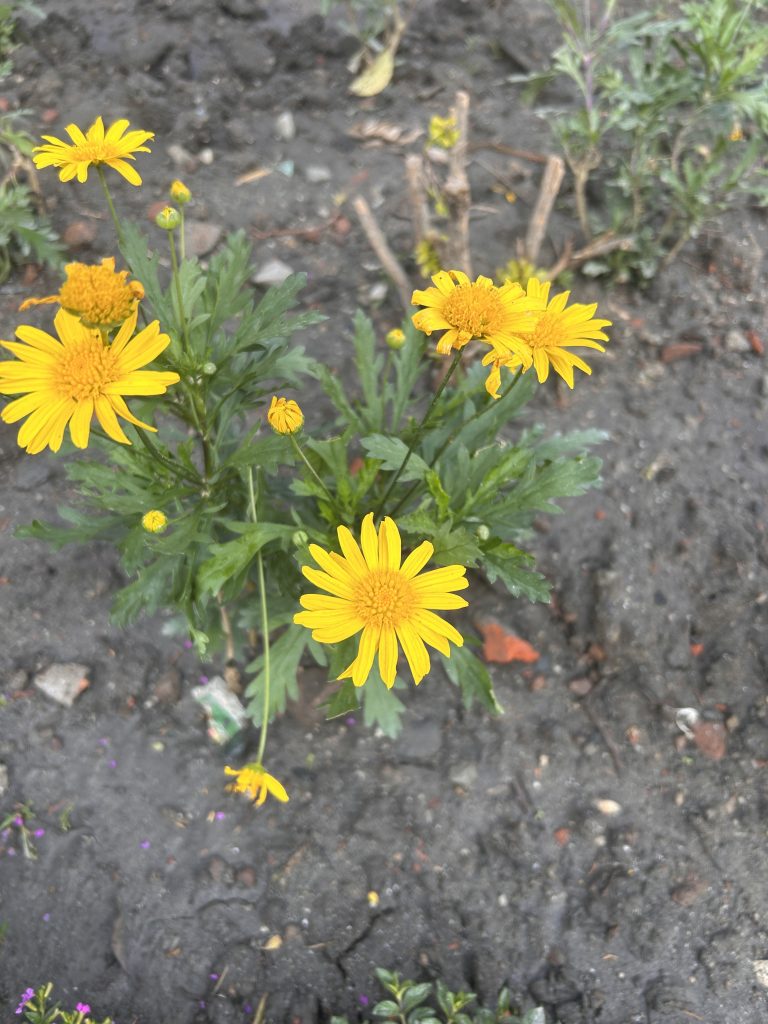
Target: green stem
110,204
178,471
182,237
264,627
177,286
298,449
452,437
420,431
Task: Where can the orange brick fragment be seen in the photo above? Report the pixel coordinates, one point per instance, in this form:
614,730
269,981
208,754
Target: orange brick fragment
696,649
499,645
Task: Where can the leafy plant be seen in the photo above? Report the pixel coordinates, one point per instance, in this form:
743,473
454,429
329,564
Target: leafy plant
672,121
413,1002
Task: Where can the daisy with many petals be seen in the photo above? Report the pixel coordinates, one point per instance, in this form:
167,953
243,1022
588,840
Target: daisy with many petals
112,147
258,784
99,295
478,309
65,380
388,601
558,329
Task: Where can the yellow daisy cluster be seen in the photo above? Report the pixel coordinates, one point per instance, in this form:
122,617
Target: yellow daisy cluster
522,327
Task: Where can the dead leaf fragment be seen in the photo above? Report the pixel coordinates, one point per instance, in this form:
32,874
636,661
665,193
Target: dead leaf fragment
680,350
373,130
376,76
253,175
273,942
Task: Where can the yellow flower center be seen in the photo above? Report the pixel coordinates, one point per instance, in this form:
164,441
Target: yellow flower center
98,295
96,152
546,334
84,369
384,598
474,309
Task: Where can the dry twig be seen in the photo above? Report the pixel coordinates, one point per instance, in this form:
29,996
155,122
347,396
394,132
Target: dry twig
380,246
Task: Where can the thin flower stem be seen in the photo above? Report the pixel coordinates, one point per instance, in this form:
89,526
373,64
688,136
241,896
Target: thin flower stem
420,430
178,471
264,627
452,437
182,237
298,449
110,204
177,286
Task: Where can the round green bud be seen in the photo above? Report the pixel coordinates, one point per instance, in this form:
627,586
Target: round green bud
482,532
168,219
209,369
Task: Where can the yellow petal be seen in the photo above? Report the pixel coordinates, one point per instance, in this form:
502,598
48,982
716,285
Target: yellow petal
388,656
417,559
369,542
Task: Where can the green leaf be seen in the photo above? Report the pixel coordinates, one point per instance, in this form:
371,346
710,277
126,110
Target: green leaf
391,451
508,563
535,1016
268,453
381,706
471,675
343,701
284,658
386,1008
234,556
415,995
369,370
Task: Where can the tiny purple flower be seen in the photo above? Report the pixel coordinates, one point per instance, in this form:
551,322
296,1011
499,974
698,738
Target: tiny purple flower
351,720
144,844
25,997
201,1004
18,820
103,742
83,1008
213,977
363,1000
5,833
113,764
46,918
220,815
204,680
39,833
188,644
247,1009
11,852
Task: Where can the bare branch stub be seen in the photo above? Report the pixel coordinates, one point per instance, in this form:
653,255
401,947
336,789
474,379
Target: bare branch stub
549,188
456,252
380,246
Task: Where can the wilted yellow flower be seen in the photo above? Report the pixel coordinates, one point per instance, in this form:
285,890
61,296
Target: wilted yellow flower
557,329
98,294
96,147
373,899
154,521
284,415
442,132
395,338
179,192
478,309
65,380
168,219
388,601
736,134
253,780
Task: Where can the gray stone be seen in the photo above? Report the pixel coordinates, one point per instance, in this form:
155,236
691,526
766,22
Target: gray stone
201,236
464,775
31,472
250,58
272,272
63,682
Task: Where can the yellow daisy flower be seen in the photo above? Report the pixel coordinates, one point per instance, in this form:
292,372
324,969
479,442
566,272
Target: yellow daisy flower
557,329
111,147
253,780
66,379
388,601
284,415
479,309
99,295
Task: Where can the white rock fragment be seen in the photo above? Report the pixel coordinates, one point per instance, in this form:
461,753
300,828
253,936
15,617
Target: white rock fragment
608,807
272,272
760,968
63,683
285,126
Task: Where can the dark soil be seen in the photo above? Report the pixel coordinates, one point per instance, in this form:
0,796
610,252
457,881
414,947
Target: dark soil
490,844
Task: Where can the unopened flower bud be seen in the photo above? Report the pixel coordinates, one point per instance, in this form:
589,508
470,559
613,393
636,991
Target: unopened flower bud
209,369
482,532
154,521
168,219
180,193
395,338
300,538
